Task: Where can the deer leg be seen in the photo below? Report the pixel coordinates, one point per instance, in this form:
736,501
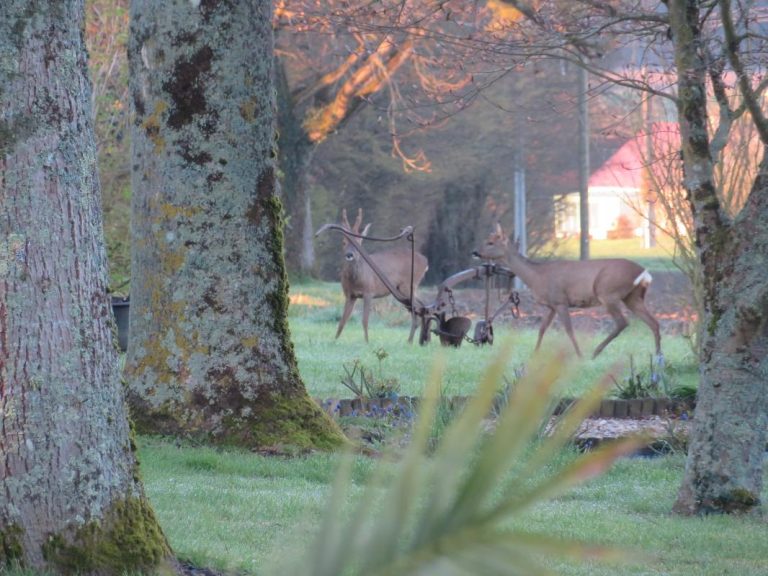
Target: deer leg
636,303
544,325
565,320
621,323
349,304
366,312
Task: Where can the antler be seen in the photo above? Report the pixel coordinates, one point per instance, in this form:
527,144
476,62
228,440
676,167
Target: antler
344,220
358,221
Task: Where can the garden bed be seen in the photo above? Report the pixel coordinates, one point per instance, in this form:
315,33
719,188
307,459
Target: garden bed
664,421
640,408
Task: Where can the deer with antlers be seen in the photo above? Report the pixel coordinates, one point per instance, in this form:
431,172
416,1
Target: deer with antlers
560,285
402,269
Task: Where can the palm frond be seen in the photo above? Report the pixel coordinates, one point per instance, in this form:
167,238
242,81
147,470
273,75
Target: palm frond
450,513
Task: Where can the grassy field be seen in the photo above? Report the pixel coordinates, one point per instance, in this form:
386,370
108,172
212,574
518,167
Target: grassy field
316,308
238,511
658,258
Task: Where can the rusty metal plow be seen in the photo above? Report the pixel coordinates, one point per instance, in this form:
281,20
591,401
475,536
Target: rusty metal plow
453,330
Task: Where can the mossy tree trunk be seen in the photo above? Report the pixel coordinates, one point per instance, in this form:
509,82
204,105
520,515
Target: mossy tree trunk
70,498
210,352
724,470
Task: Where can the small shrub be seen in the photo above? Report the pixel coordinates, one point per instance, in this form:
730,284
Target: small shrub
504,393
365,384
624,228
684,393
641,384
674,440
445,412
449,508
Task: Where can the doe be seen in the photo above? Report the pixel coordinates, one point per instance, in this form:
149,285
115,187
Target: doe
561,284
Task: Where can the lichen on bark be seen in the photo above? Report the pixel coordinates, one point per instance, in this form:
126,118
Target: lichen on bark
71,497
126,540
210,354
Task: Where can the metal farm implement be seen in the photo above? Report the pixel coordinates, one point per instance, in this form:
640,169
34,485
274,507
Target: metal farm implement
440,316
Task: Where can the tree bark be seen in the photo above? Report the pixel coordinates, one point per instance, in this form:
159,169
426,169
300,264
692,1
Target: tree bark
724,470
210,352
70,498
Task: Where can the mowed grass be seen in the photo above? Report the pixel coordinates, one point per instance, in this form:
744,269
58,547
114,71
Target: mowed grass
237,511
316,308
658,258
240,512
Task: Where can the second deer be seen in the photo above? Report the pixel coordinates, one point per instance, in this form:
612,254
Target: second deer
358,280
560,285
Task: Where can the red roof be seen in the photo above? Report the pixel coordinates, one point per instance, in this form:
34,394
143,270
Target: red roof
625,168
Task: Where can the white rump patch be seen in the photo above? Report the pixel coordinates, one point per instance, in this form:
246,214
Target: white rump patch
645,279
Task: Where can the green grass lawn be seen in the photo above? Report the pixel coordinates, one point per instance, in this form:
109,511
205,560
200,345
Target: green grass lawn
234,510
322,358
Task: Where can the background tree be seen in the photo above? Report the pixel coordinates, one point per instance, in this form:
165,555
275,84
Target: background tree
724,470
709,44
414,63
107,40
210,351
357,163
70,496
531,109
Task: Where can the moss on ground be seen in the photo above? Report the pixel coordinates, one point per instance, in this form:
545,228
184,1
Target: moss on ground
283,423
10,545
738,500
127,540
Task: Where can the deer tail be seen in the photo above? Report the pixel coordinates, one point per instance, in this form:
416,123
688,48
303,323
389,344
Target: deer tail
644,279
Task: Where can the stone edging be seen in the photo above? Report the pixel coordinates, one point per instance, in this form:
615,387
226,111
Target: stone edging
609,408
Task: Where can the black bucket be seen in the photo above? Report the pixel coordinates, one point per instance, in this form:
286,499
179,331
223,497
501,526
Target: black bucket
453,330
120,310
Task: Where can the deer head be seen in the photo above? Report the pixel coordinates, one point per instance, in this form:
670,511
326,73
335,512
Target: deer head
350,254
495,247
402,271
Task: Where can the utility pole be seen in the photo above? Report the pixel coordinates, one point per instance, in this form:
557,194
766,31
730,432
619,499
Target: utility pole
521,228
583,163
649,191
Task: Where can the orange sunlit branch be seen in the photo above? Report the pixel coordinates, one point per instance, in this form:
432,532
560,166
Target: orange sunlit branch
281,11
433,83
374,73
337,74
383,72
504,11
417,162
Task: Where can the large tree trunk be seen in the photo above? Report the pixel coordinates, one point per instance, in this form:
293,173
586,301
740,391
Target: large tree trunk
724,470
209,350
70,498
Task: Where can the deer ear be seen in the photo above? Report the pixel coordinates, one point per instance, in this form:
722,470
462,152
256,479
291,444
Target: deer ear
499,231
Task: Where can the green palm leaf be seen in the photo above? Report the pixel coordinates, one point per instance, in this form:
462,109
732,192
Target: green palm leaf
449,513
